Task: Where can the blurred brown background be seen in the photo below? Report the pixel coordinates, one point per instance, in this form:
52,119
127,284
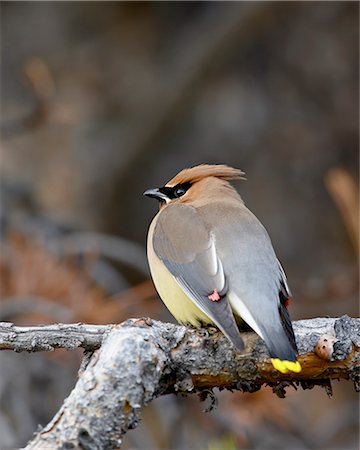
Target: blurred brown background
101,100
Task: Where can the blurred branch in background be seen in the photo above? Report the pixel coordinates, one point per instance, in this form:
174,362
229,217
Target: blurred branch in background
345,194
41,279
14,307
113,247
141,359
42,87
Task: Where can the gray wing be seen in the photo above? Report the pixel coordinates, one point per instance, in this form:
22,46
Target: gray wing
186,247
254,275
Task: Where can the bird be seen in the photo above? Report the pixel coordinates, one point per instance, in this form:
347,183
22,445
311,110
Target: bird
212,262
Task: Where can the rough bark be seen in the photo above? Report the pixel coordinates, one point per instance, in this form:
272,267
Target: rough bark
141,359
49,337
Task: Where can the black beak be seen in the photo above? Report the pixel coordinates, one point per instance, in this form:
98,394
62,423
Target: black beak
156,193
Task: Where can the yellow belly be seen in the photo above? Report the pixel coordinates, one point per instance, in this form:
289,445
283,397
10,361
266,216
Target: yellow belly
177,302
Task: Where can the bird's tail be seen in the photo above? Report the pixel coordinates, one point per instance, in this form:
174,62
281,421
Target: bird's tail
285,366
282,352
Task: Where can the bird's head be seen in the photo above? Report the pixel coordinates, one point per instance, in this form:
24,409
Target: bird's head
194,183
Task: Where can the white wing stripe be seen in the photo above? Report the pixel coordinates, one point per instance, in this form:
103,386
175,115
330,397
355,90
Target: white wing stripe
283,276
241,309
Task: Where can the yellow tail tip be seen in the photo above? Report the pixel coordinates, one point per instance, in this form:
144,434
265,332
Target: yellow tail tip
285,366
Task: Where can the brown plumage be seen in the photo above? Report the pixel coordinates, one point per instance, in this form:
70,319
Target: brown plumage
212,261
197,173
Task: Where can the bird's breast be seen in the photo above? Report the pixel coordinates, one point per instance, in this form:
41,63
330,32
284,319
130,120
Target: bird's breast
176,300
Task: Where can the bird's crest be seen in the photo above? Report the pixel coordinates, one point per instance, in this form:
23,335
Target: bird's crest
197,173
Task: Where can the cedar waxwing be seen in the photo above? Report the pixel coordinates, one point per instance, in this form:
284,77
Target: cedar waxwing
212,262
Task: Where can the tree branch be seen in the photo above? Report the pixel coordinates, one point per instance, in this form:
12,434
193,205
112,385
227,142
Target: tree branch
49,337
142,359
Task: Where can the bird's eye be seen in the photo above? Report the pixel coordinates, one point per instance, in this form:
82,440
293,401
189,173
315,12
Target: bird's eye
179,192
